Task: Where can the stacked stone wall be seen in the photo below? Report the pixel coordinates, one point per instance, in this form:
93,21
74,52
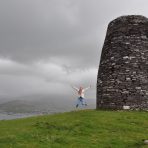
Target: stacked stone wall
123,70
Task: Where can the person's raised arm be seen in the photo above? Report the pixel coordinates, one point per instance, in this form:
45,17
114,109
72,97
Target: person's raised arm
75,88
87,88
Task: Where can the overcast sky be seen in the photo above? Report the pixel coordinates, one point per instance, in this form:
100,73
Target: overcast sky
47,45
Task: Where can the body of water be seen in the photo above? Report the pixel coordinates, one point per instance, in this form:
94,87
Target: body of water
5,116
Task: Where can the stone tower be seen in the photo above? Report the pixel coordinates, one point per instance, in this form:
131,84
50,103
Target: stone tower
123,71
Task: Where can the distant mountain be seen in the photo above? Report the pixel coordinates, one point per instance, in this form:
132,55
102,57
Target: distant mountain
17,106
4,100
40,104
34,106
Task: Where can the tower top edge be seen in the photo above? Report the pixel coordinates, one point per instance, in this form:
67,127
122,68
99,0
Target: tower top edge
129,19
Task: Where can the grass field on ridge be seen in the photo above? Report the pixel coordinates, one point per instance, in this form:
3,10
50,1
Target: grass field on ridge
77,129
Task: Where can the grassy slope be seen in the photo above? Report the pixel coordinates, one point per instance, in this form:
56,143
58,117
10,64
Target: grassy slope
79,129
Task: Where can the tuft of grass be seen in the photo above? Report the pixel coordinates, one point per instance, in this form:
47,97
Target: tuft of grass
77,129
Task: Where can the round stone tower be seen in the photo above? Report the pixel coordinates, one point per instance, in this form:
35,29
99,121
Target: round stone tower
123,71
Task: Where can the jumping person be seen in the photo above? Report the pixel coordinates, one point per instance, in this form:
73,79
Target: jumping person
81,99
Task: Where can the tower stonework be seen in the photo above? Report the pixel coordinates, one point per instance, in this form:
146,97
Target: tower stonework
123,70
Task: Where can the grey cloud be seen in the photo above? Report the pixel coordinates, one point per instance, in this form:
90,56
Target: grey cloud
18,80
32,30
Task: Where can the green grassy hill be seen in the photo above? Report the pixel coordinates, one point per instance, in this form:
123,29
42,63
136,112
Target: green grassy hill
78,129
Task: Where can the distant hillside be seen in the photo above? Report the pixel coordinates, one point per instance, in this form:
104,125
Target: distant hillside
17,106
77,129
25,106
38,106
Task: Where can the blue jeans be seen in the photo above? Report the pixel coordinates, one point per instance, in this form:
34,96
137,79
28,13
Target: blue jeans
81,101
